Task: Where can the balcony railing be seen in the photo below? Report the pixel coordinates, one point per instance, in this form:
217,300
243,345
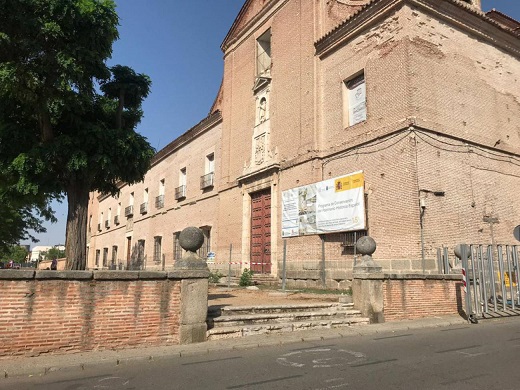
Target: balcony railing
159,202
107,224
206,180
180,192
143,209
129,211
116,220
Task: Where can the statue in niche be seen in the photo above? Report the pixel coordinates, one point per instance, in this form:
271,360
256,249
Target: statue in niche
262,110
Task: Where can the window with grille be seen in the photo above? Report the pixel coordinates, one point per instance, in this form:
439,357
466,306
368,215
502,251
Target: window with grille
177,250
206,246
98,255
105,257
157,250
114,255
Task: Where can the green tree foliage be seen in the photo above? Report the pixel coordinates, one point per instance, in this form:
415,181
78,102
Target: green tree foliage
53,253
13,252
70,139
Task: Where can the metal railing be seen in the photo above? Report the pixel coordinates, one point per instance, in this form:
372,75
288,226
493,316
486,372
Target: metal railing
129,211
180,192
206,180
490,280
143,209
159,202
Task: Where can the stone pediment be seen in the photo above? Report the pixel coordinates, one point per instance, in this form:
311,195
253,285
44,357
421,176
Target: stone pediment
261,83
249,10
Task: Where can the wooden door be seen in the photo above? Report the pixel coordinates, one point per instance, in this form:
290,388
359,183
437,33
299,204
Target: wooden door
261,232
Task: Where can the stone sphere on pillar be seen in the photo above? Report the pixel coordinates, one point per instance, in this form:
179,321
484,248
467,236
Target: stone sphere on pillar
458,250
366,245
191,239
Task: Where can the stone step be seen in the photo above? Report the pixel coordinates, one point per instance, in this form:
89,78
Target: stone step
285,308
242,331
256,319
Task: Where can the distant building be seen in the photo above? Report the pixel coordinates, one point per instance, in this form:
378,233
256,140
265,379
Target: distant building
422,96
38,251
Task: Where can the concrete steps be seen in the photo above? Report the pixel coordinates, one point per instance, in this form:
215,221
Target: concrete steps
240,321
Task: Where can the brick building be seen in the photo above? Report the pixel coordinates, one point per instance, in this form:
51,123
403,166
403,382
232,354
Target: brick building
423,96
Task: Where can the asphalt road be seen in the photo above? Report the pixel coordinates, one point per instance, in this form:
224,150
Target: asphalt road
483,356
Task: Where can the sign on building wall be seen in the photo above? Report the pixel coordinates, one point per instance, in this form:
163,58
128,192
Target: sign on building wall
329,206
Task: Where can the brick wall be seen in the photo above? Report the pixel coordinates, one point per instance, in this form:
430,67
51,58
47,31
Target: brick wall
60,312
409,297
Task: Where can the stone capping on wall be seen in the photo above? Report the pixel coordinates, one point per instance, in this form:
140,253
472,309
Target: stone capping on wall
8,274
382,276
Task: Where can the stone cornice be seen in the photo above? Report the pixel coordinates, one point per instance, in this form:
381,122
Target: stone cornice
454,12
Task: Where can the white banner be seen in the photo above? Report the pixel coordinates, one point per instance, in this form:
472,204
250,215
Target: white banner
333,205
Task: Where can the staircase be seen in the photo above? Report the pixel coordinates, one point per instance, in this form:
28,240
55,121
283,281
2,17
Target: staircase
240,321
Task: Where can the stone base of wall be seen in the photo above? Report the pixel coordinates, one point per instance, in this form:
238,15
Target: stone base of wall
72,311
417,296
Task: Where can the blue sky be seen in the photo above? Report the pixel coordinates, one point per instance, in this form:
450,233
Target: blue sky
177,43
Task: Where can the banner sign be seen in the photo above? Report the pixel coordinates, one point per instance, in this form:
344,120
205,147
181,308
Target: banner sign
329,206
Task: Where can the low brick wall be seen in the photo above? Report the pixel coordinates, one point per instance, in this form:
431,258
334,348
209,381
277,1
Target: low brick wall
72,311
418,296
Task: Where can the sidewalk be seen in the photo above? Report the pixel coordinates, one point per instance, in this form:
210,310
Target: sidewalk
42,365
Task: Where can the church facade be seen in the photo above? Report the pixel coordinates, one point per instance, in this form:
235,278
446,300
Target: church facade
417,99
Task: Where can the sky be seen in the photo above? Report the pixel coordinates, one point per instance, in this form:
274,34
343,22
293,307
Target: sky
177,43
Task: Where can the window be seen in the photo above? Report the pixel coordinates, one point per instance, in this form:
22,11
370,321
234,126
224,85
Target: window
114,257
105,257
177,250
140,255
90,223
263,54
207,179
100,221
159,200
354,100
109,217
129,210
206,246
157,253
144,206
180,192
98,255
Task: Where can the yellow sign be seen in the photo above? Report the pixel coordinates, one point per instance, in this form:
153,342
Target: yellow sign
507,280
346,183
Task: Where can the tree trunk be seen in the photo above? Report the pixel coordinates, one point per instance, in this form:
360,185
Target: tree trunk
76,236
47,133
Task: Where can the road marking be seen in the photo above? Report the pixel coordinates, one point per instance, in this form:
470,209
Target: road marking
467,354
459,349
373,362
393,337
263,382
297,359
212,361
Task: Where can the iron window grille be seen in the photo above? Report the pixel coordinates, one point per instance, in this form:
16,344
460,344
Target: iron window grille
180,192
107,223
143,208
206,180
177,250
350,238
105,257
129,211
159,202
157,249
116,220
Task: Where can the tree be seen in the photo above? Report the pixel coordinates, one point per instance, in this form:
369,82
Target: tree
53,253
74,140
21,213
16,253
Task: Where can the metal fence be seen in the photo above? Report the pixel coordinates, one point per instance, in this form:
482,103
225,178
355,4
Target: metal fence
490,279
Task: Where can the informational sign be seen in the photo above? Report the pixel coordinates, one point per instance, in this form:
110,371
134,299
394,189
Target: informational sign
329,206
210,257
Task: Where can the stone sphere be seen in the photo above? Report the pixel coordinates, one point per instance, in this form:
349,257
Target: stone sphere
191,239
366,245
458,251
